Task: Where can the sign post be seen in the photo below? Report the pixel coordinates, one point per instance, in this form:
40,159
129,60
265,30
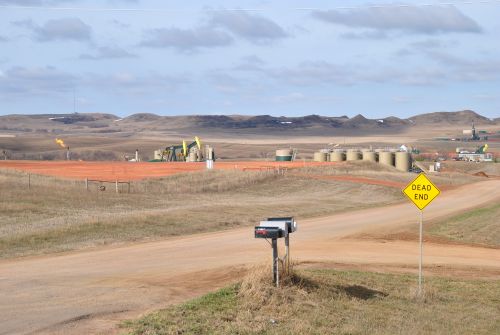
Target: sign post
421,191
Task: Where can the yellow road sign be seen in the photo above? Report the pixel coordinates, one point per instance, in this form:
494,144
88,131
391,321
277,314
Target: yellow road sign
421,191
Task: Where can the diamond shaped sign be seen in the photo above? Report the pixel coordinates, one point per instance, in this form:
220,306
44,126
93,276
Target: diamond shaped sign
421,191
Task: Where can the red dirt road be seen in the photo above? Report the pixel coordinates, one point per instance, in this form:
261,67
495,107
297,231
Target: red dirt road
124,171
87,292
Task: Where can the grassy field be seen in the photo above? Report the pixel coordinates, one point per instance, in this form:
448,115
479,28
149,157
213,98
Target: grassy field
492,169
333,302
378,171
480,226
57,215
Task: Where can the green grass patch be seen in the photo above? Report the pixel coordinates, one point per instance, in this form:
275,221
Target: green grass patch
334,302
481,226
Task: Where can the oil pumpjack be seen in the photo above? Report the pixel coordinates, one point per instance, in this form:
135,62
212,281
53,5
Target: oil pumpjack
179,153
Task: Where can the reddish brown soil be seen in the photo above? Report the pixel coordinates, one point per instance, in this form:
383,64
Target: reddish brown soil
124,171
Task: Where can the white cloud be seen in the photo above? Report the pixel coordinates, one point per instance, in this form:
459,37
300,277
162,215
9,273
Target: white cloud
254,28
186,39
108,52
35,80
58,29
411,19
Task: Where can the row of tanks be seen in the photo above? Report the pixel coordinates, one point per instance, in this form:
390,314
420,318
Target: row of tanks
401,160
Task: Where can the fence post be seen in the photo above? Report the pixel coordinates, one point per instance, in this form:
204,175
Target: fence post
87,184
116,186
29,181
128,187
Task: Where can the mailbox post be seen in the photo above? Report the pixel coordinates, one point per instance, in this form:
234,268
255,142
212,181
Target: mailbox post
274,228
276,278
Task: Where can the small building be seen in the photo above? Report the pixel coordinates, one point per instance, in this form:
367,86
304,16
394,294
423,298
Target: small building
475,157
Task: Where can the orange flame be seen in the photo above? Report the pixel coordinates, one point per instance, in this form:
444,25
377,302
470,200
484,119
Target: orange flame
60,142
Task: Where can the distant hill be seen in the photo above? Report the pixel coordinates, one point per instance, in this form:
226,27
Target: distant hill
143,117
461,118
101,123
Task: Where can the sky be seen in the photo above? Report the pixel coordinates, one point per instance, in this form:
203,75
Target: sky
290,58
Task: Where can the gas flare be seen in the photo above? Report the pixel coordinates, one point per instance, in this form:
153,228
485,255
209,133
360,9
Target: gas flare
60,142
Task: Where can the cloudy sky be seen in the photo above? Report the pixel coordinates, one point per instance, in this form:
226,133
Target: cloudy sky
259,57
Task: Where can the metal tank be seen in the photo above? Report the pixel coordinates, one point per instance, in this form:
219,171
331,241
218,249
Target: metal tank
353,155
320,156
158,154
199,156
284,155
386,158
369,155
403,161
209,153
192,156
337,156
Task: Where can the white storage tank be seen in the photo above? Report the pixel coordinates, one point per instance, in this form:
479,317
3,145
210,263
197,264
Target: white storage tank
353,155
369,155
337,156
403,161
386,158
321,157
284,155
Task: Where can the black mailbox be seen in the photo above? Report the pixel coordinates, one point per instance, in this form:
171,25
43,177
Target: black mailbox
268,232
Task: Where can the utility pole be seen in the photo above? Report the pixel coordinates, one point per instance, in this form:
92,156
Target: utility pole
74,100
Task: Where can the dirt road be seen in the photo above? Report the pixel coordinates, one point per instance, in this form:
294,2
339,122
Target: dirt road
87,292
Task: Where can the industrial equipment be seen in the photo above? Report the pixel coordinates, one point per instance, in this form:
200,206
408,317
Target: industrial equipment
321,156
186,148
274,228
63,145
172,153
480,155
482,149
473,134
178,153
286,155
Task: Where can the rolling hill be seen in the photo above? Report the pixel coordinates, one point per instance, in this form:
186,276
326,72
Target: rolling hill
83,123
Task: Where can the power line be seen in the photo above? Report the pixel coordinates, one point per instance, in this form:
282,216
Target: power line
167,10
438,4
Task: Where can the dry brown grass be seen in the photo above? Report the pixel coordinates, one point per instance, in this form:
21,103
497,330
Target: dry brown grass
382,172
59,215
333,302
472,167
477,226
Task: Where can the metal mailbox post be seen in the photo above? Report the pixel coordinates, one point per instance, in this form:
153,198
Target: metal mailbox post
275,228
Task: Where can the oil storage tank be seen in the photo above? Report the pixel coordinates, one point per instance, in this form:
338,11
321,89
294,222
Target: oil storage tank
386,158
321,156
369,155
337,156
284,155
403,161
192,156
158,154
353,155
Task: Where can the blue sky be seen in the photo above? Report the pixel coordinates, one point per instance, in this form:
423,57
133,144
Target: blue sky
281,58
